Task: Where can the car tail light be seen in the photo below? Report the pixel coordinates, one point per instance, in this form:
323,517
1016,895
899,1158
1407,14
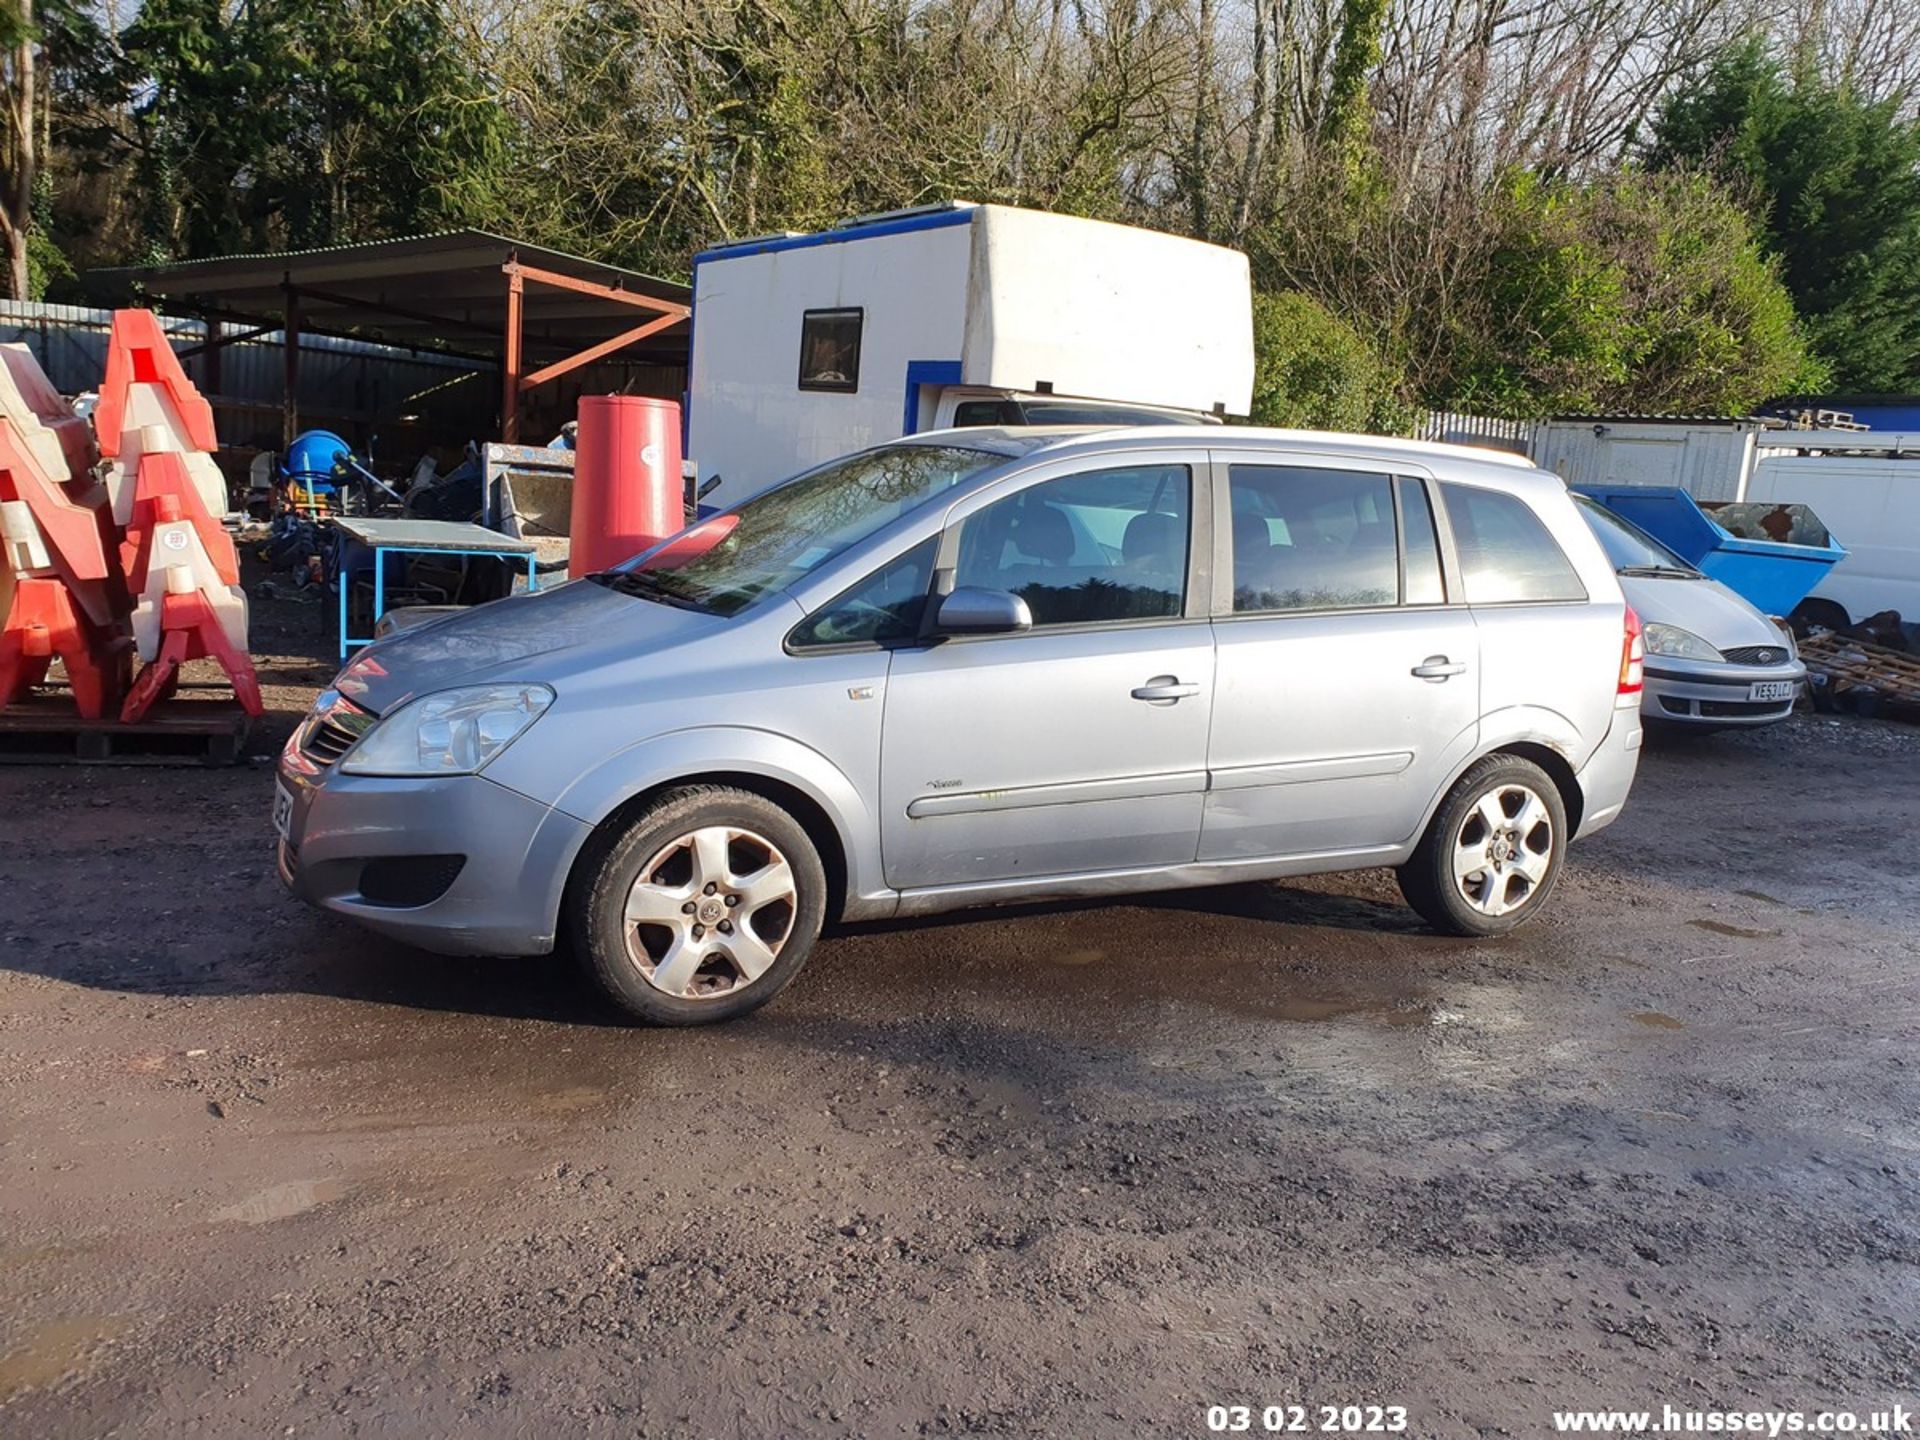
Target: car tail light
1633,655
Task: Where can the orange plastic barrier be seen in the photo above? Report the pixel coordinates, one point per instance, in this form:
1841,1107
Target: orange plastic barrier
72,531
96,572
190,629
43,623
138,354
35,393
164,491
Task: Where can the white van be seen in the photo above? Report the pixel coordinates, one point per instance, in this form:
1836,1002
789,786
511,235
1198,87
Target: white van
811,346
1865,487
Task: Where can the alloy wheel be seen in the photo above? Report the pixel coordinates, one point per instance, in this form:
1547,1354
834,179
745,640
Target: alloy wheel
1503,850
708,914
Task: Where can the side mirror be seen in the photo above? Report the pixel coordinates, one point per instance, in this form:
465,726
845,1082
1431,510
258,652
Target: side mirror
971,610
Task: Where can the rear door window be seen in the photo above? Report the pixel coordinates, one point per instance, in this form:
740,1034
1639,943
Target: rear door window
1306,538
1507,555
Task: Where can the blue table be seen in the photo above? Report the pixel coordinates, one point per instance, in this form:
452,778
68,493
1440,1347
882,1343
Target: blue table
419,537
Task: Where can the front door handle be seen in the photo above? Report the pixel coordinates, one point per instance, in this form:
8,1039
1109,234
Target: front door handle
1164,690
1438,667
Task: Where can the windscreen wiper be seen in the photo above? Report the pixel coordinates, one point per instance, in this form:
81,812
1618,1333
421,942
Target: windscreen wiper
1659,572
645,585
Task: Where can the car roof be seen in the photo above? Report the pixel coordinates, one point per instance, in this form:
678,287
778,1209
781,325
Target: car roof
1067,440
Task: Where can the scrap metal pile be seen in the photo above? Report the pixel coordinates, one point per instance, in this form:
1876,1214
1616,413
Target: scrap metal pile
115,555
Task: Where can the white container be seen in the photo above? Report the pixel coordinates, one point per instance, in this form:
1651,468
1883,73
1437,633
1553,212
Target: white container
1708,458
958,300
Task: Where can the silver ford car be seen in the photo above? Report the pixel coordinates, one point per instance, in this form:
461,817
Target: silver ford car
1713,660
981,666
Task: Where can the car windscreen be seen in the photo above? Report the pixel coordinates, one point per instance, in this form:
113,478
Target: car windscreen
782,534
1628,547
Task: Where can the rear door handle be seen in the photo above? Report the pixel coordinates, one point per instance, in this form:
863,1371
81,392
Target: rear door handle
1164,690
1438,667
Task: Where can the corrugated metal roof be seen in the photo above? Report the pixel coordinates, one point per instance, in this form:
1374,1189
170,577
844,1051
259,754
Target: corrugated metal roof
352,386
446,289
1759,422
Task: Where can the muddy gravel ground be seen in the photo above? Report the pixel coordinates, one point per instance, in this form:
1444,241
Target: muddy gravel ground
1072,1171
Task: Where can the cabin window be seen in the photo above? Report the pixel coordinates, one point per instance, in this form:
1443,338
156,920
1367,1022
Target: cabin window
830,349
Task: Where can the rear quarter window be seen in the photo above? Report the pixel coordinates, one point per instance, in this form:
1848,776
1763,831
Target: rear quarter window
1507,554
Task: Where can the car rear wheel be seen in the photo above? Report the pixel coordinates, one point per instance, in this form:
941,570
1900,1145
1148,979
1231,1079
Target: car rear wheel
1492,854
704,907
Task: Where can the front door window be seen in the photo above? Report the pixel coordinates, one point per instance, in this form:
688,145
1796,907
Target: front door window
1102,545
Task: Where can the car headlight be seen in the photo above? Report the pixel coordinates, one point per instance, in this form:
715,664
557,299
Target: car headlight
454,732
1680,644
1785,627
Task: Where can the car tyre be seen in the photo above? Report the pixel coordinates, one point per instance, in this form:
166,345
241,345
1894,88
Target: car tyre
701,907
1492,854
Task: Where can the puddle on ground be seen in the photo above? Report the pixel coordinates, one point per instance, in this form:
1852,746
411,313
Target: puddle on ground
568,1100
1654,1020
1078,957
1738,932
50,1353
1314,1009
281,1201
1760,895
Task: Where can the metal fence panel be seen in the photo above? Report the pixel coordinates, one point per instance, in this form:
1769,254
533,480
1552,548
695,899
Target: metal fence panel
1490,432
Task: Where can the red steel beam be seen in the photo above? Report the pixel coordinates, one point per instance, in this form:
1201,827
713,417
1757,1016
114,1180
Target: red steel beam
510,363
594,352
601,292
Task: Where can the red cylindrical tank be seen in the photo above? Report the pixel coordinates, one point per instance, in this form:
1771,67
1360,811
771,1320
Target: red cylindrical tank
627,490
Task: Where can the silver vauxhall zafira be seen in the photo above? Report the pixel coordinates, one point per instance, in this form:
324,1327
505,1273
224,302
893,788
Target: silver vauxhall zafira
982,666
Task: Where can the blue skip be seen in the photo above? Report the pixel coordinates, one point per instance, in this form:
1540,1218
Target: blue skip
1771,555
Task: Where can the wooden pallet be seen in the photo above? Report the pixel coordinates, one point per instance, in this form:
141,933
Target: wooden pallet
1857,664
44,730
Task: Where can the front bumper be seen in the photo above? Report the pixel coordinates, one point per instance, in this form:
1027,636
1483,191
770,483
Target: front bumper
489,863
1702,692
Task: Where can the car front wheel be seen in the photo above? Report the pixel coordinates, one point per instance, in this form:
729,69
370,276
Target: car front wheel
704,907
1492,854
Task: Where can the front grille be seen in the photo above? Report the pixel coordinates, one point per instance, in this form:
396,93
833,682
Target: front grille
1759,655
333,731
403,881
1723,709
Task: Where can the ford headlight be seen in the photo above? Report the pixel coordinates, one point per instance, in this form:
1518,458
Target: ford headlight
1680,644
454,732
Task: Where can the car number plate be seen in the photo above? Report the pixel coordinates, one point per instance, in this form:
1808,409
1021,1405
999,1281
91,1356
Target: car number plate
282,810
1770,690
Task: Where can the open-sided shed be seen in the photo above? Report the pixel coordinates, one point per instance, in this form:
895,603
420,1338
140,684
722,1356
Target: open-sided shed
542,313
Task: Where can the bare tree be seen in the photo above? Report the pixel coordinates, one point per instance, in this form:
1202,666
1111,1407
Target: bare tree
19,150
